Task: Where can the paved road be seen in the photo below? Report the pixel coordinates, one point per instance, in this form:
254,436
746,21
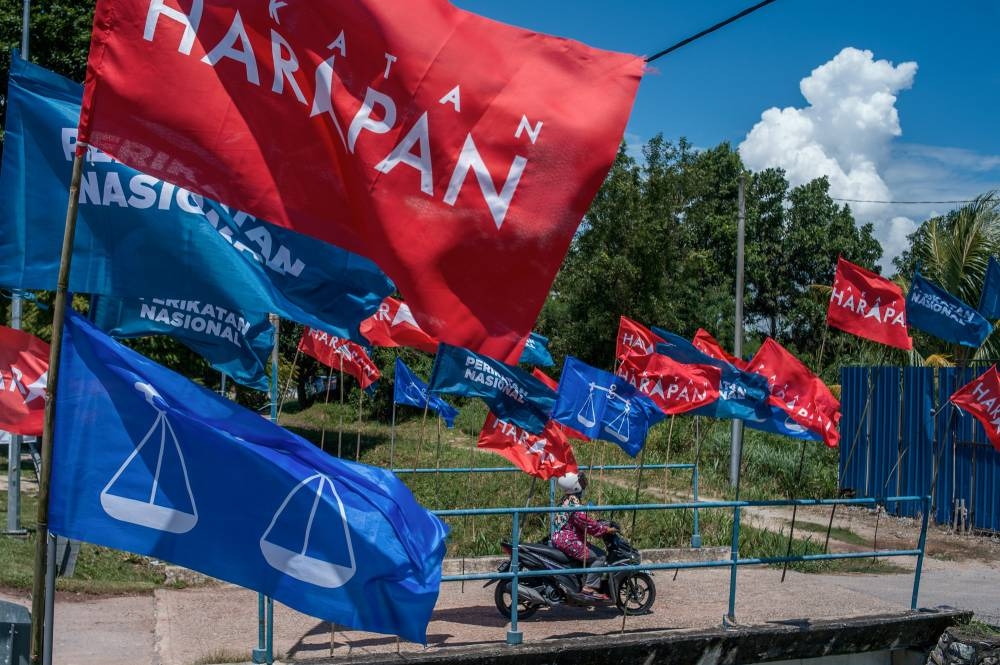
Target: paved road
219,622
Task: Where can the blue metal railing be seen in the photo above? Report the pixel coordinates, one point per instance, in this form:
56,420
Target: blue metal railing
695,535
514,636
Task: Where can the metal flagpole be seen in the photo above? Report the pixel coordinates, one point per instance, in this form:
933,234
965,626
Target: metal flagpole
222,384
736,449
55,356
14,451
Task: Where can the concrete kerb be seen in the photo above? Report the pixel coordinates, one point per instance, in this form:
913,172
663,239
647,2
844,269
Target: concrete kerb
779,641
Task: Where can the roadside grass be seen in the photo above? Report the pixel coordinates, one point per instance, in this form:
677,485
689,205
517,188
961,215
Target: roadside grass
836,533
99,570
770,470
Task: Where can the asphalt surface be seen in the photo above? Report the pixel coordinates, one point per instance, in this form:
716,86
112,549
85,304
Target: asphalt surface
218,622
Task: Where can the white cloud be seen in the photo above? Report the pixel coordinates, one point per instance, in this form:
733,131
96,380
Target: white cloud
844,133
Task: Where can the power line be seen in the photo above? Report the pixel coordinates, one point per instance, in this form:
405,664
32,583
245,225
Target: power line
904,202
685,42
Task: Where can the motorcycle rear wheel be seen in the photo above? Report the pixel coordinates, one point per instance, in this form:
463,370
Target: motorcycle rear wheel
636,594
502,599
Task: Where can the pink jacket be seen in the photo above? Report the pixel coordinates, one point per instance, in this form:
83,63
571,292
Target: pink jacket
571,536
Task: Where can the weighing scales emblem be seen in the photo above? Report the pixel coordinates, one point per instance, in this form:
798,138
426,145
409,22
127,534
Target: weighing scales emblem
169,505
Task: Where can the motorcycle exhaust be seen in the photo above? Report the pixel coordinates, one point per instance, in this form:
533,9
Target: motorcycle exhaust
532,595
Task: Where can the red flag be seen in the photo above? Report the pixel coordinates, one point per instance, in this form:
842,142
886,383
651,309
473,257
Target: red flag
797,391
340,353
393,325
674,387
981,398
24,371
868,305
704,342
635,338
554,385
456,152
545,455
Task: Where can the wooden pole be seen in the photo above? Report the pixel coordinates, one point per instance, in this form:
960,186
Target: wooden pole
357,447
59,308
340,428
638,487
795,510
326,402
288,383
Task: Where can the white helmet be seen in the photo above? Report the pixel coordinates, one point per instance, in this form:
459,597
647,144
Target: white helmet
572,483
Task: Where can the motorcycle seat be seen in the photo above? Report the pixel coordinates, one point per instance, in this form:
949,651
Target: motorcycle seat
549,552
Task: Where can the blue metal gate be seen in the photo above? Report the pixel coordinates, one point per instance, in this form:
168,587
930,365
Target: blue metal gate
900,435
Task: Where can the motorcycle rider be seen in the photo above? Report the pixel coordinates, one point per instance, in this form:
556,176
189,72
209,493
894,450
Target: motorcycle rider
572,529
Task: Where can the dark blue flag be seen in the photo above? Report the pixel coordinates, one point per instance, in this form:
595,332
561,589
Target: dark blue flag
989,301
777,421
742,394
409,389
933,310
512,394
148,462
236,343
604,406
536,351
139,237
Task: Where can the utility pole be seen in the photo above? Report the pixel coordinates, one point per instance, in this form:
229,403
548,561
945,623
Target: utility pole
737,440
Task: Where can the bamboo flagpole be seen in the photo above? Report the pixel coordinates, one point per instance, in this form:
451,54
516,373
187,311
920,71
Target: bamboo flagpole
59,308
357,447
340,428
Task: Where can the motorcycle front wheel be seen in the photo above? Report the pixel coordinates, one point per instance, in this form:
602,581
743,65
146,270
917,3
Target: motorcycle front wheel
502,599
636,594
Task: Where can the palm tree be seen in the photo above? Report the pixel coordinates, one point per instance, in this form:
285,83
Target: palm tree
954,251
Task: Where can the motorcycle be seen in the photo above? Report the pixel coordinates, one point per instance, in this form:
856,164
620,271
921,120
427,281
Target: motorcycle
633,592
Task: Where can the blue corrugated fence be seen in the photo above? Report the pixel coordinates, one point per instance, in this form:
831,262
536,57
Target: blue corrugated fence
893,444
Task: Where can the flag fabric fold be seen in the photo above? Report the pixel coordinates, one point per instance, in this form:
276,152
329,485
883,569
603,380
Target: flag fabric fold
545,455
238,344
458,153
551,383
935,311
393,325
674,387
341,354
742,394
868,305
604,406
536,351
981,398
989,299
798,392
634,338
148,462
704,342
409,389
140,237
511,393
24,373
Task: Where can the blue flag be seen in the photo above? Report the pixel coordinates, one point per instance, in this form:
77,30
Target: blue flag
139,237
409,389
148,462
742,394
235,343
776,421
604,406
536,351
989,301
512,394
933,310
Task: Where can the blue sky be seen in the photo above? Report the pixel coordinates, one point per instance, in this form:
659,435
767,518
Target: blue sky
717,88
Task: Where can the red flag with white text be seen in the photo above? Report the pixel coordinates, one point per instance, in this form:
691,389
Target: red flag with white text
341,354
24,371
868,305
797,391
458,153
554,385
704,342
546,455
393,325
674,387
981,398
635,338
